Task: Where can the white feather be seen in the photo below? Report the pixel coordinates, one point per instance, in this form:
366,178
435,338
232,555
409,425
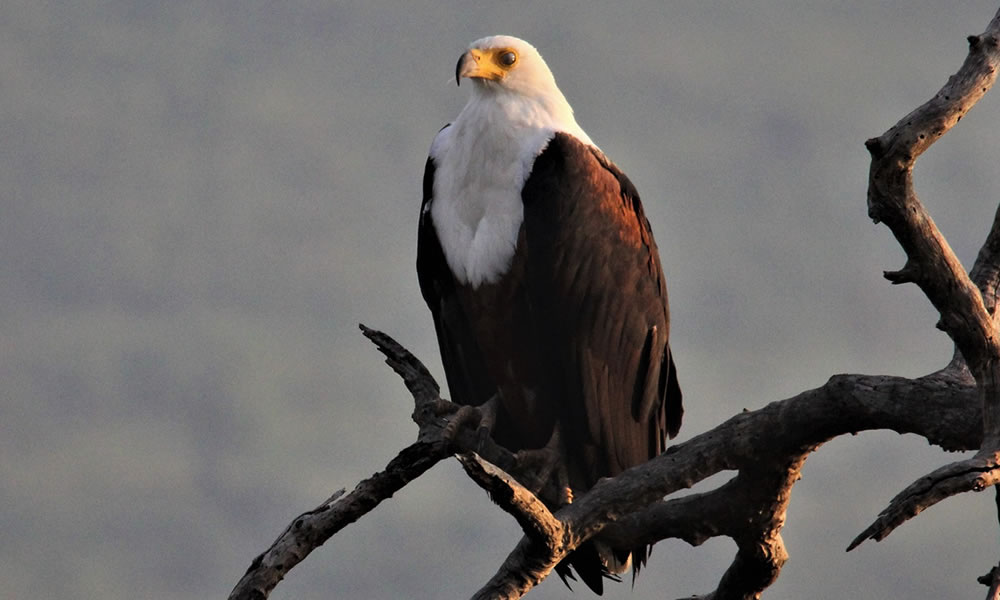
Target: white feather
484,157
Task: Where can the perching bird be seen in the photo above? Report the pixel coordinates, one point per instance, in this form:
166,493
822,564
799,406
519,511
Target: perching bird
545,284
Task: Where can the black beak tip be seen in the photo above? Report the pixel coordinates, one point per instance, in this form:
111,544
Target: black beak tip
458,69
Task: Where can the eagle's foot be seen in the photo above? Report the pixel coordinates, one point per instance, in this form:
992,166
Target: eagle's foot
487,420
482,417
543,471
442,407
465,416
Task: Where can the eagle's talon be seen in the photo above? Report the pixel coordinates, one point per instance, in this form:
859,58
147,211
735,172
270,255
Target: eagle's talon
482,434
442,407
544,468
487,420
464,416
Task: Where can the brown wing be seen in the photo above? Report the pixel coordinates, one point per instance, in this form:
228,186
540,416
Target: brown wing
597,288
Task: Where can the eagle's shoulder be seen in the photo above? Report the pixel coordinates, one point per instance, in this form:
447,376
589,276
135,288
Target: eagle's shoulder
566,158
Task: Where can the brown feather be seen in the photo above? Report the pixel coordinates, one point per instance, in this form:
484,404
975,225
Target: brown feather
575,332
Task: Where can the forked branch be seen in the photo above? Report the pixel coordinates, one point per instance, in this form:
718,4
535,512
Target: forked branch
933,266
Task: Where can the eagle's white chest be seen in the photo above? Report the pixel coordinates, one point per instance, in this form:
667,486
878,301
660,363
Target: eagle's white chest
477,209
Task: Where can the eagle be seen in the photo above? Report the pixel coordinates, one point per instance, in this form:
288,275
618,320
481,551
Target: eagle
549,303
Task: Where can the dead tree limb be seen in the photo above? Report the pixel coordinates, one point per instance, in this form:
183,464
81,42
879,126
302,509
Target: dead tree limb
933,266
782,433
310,530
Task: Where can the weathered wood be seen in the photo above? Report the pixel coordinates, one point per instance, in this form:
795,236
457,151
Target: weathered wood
892,199
932,265
769,444
531,513
780,432
310,530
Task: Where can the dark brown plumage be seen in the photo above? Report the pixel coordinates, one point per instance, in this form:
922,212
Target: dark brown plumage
574,333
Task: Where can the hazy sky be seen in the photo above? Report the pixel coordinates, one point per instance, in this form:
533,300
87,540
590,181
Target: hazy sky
200,201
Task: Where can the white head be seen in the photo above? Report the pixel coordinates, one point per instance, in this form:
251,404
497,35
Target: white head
501,63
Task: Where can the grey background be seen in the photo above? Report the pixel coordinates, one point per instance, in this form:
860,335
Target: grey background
200,201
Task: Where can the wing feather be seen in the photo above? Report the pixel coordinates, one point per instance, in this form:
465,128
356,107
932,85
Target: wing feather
596,284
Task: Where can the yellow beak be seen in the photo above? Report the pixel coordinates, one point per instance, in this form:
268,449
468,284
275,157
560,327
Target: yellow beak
478,64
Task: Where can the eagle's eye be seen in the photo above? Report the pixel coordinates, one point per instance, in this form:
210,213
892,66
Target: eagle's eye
508,58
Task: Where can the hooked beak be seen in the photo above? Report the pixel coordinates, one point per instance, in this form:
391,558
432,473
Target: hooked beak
472,65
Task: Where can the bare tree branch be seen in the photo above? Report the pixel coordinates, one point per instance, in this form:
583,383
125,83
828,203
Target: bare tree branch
436,440
768,446
972,475
992,579
994,583
782,433
790,429
985,272
933,266
311,529
530,512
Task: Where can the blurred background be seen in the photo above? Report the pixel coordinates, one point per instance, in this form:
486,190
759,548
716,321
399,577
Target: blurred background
200,201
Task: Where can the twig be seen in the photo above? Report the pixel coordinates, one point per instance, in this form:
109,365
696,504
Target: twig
531,513
310,530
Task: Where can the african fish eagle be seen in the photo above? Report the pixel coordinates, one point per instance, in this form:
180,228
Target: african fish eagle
545,285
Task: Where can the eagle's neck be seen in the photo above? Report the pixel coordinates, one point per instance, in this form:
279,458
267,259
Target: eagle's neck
482,161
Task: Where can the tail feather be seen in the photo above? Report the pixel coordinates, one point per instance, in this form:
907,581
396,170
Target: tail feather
594,562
